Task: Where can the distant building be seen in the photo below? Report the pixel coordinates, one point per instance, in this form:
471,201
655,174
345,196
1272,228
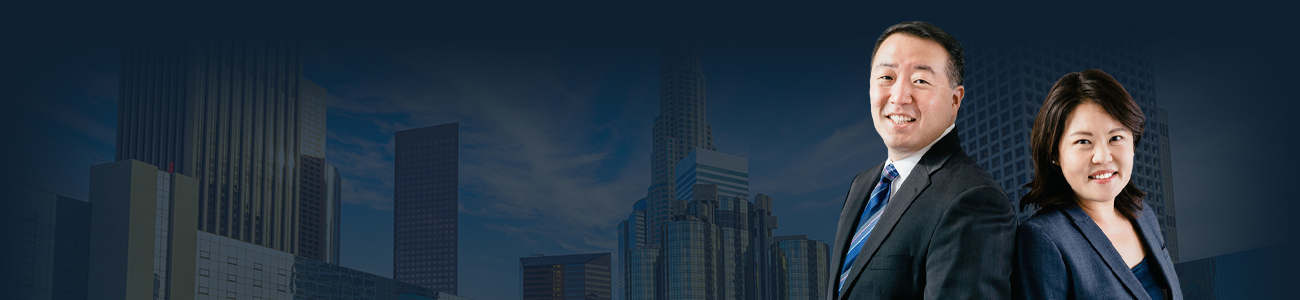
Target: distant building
425,214
226,111
729,173
680,127
1262,273
801,268
44,244
145,248
566,277
319,185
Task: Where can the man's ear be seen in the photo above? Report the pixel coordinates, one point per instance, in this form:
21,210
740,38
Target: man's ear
957,95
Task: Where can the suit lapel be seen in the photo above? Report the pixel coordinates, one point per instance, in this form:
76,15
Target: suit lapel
1156,249
853,202
898,203
1101,244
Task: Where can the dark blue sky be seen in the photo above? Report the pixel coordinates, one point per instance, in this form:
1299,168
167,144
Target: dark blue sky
556,103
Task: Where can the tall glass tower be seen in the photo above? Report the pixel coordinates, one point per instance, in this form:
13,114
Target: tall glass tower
225,110
680,127
425,214
1006,84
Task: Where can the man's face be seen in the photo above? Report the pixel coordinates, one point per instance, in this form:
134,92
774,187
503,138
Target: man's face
912,98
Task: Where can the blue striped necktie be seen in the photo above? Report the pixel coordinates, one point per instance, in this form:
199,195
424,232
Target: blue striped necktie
870,214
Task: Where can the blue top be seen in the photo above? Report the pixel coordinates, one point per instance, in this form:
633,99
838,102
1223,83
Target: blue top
1149,282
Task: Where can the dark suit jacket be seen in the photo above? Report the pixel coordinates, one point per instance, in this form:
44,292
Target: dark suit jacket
1062,254
947,233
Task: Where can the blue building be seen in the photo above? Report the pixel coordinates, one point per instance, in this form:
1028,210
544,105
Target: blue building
1262,273
566,277
800,268
425,202
44,244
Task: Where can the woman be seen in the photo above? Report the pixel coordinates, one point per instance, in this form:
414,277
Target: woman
1091,238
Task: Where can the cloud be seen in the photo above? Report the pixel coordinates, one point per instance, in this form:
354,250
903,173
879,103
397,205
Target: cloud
533,160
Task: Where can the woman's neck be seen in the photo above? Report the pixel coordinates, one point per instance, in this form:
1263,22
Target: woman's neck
1101,212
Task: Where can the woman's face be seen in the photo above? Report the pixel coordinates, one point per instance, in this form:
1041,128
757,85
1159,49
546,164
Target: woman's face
1096,154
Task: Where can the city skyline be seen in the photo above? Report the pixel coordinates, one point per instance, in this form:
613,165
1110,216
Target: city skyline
556,131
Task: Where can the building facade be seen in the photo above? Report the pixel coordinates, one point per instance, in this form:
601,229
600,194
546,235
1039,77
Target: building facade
566,277
144,235
1262,273
800,268
146,245
729,173
225,110
425,207
680,127
1006,84
45,248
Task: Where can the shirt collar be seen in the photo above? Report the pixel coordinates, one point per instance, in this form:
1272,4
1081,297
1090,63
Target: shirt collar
904,166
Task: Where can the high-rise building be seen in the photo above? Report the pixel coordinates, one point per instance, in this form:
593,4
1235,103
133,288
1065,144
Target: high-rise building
1006,84
638,259
762,224
225,110
729,173
44,244
565,277
800,268
1261,273
144,235
680,127
145,247
425,212
318,216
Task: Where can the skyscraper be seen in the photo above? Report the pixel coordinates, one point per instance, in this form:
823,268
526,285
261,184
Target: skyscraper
728,172
800,268
318,216
680,127
225,110
44,244
638,260
565,277
1007,83
425,207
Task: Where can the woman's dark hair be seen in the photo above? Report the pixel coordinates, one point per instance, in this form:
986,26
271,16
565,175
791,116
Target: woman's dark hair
1049,189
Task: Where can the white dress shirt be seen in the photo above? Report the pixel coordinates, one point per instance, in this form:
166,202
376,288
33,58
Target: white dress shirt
904,166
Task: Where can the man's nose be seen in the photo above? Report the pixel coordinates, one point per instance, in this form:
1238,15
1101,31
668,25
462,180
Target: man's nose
900,93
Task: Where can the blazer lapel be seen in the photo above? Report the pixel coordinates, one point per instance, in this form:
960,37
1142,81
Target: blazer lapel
898,203
1106,250
853,202
1155,243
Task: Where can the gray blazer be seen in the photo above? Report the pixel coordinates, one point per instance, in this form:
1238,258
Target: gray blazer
947,233
1062,254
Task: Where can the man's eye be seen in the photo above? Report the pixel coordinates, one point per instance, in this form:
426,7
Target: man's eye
886,77
922,81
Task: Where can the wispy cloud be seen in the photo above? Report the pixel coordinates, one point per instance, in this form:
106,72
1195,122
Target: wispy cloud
528,160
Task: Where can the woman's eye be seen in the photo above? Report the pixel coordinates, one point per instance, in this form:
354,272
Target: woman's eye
1117,138
1082,142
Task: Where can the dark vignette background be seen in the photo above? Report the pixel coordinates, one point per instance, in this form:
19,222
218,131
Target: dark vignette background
567,91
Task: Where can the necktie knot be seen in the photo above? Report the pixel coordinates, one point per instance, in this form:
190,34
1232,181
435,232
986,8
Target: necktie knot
890,173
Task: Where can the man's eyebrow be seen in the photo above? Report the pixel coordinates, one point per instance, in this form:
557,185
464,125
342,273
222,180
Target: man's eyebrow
925,68
887,65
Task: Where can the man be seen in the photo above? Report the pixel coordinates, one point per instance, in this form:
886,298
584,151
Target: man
927,223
